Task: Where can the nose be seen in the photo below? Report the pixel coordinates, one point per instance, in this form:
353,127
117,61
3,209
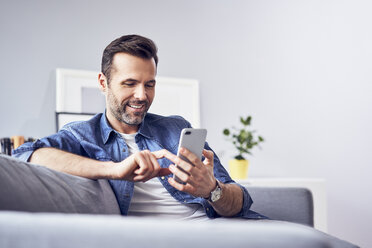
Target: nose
140,92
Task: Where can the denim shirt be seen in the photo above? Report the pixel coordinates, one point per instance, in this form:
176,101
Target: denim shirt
96,139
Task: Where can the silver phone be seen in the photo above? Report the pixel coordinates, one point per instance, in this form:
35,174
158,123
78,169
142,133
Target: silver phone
192,139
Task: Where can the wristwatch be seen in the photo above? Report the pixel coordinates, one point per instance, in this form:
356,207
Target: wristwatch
216,194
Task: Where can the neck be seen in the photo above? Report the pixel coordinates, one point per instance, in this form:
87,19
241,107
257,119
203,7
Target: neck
120,126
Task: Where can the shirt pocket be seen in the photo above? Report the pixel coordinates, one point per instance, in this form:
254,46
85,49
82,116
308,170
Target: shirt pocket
94,151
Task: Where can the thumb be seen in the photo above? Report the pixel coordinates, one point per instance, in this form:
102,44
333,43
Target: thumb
209,155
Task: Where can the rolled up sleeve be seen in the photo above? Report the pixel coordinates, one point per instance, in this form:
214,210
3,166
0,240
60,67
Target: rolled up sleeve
63,140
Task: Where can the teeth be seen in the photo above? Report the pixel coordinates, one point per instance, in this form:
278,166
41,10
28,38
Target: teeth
136,106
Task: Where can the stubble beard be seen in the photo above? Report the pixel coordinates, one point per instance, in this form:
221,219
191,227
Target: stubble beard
119,110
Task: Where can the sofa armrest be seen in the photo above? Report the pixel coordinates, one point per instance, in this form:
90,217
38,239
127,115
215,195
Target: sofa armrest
33,188
282,203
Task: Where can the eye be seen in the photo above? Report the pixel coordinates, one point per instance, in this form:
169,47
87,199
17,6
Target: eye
128,84
150,84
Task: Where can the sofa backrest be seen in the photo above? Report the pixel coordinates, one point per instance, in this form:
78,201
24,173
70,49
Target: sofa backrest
34,188
284,203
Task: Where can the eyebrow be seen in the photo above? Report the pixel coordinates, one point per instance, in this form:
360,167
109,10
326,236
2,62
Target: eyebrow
129,80
136,81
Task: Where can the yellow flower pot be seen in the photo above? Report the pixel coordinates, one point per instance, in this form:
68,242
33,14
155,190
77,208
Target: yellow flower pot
238,169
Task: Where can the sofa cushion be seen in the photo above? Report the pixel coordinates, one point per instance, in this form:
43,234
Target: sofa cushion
34,188
73,230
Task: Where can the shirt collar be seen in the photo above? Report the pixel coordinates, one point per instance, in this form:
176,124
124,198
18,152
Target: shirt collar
145,128
106,129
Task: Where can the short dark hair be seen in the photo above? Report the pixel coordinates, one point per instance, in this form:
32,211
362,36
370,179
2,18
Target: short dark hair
135,45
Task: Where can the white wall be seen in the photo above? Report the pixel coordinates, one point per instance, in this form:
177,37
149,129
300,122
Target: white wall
301,68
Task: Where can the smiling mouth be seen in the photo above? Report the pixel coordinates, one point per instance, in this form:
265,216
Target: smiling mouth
137,106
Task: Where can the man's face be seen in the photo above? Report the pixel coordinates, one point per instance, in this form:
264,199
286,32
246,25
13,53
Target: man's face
130,91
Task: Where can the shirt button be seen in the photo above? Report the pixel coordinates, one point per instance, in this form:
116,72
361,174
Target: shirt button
162,178
123,149
207,209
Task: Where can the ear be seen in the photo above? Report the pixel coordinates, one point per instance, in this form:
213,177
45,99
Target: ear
102,80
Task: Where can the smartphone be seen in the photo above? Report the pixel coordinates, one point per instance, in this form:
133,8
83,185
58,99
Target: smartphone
192,139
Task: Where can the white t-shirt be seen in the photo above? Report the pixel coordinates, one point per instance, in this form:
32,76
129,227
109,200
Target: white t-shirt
152,199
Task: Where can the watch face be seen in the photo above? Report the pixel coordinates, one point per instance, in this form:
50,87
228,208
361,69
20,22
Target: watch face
216,194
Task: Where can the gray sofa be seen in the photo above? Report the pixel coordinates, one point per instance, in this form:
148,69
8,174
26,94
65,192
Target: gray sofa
45,208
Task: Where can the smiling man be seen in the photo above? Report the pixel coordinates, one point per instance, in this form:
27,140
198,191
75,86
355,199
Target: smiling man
129,92
135,149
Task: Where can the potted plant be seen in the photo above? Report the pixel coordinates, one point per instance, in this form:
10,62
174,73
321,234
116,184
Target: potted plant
244,141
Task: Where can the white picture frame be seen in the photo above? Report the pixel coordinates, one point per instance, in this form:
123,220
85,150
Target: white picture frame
78,90
69,88
177,96
63,118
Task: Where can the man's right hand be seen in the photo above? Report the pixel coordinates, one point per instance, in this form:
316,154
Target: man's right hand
140,166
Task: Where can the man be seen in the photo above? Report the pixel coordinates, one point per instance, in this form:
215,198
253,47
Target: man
135,150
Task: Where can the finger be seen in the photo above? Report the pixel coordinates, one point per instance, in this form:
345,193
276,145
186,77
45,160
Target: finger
177,185
155,165
209,155
181,187
151,165
183,176
185,166
142,163
161,154
164,154
145,170
140,178
167,154
173,158
191,157
140,173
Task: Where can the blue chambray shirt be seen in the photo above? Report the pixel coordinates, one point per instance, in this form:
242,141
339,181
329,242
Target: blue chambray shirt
96,139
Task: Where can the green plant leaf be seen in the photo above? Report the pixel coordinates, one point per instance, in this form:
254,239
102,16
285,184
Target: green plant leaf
243,139
248,120
243,150
242,121
226,132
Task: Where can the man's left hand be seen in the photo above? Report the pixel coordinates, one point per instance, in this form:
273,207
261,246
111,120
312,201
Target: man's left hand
198,176
200,180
